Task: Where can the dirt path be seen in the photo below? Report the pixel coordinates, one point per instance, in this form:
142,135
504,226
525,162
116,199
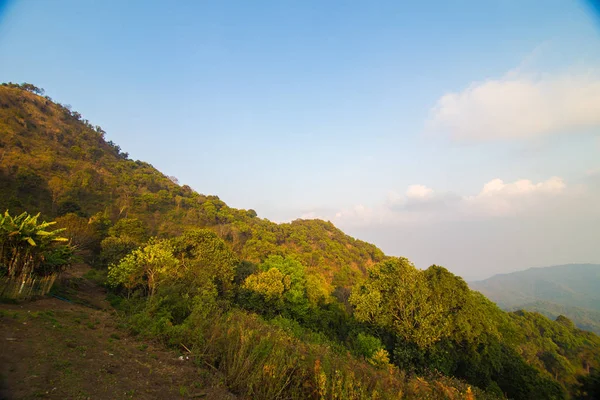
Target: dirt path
55,349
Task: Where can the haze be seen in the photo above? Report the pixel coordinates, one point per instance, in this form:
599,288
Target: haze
464,135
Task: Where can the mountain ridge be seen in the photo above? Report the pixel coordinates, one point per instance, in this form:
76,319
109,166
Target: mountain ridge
570,287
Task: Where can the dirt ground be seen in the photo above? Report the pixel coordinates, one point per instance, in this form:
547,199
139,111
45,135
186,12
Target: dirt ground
75,348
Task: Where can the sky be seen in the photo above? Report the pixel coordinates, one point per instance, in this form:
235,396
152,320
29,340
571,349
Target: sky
459,133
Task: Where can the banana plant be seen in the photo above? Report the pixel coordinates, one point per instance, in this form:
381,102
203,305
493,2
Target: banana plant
26,243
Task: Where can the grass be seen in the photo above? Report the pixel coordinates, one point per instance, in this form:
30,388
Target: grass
258,359
183,391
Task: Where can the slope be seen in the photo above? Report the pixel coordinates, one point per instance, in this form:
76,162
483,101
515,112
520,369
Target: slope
571,290
54,161
57,349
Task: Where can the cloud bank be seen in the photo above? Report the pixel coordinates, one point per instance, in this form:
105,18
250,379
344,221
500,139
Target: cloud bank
496,198
517,107
503,226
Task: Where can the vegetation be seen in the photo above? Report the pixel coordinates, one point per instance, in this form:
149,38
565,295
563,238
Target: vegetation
570,290
56,162
583,318
30,254
297,310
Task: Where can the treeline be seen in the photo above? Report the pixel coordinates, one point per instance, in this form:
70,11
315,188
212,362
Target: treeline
296,310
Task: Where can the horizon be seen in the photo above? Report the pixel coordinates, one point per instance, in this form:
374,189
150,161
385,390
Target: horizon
488,190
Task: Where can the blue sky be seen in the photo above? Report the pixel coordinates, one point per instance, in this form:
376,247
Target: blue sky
386,117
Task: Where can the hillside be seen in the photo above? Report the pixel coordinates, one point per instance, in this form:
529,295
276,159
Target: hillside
293,310
570,290
583,318
54,161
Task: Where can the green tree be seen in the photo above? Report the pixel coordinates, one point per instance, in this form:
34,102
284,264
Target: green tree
318,291
396,296
207,256
131,228
146,267
293,271
271,284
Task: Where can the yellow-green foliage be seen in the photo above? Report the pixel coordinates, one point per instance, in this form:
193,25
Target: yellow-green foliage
146,267
422,307
28,248
262,361
271,283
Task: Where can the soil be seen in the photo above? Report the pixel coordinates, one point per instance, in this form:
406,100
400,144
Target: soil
74,347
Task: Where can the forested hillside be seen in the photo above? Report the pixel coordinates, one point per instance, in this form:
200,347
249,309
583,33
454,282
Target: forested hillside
56,162
570,290
296,310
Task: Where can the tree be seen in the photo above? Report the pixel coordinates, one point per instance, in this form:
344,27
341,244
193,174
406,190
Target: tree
207,256
396,297
271,284
132,228
147,267
318,291
57,187
251,213
293,271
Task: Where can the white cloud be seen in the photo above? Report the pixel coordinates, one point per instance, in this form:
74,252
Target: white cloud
495,199
418,191
519,107
498,198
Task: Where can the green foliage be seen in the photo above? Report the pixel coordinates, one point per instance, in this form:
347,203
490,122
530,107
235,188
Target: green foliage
146,267
294,279
131,228
584,318
367,345
28,248
115,248
56,162
271,284
261,360
589,386
570,290
318,290
207,257
84,234
396,297
556,347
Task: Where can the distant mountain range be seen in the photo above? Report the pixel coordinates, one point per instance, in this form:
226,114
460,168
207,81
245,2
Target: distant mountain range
572,290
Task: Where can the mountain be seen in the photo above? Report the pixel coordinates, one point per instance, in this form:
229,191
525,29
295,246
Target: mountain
571,290
292,310
54,161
